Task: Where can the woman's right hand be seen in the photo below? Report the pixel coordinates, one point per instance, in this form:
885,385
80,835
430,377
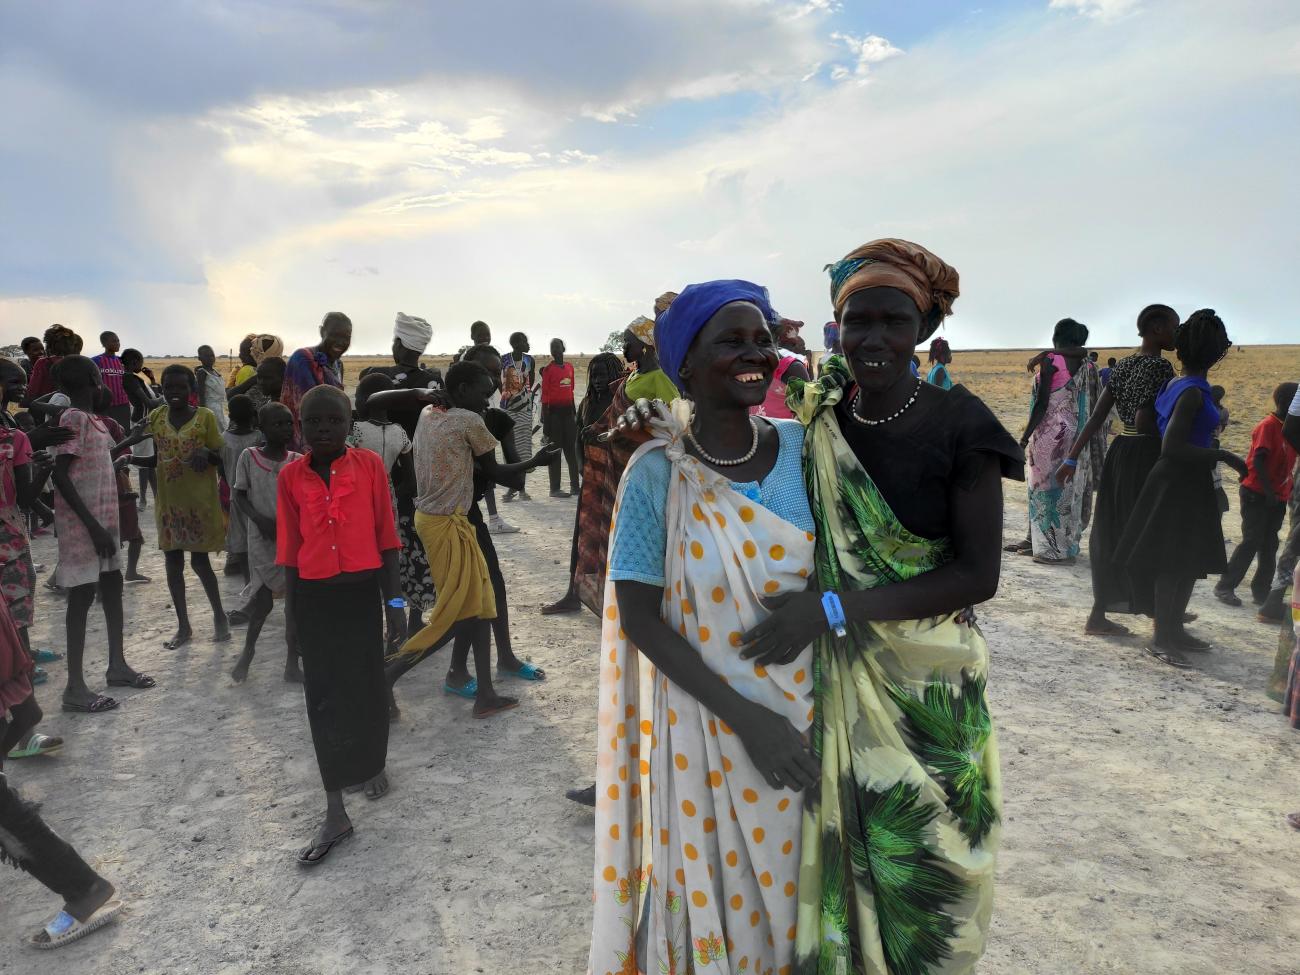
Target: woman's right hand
777,750
105,544
1064,473
635,419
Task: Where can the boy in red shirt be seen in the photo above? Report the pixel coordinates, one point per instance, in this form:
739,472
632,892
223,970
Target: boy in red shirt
1265,492
560,417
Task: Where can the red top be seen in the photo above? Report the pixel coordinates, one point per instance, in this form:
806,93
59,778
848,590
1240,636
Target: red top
322,530
557,384
41,381
1278,463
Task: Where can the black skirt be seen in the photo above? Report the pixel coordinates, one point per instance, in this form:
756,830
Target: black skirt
1174,529
341,638
1128,462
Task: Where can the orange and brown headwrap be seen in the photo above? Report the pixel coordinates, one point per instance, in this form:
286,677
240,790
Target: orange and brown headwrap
663,302
901,264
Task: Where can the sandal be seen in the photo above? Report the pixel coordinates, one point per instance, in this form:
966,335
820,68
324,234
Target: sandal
305,857
526,672
65,928
37,744
43,656
39,676
99,705
141,682
467,691
1169,657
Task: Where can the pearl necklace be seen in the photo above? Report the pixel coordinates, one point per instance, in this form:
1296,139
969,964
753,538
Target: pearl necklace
690,435
853,408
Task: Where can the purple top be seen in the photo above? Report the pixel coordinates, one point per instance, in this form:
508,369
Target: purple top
111,372
1206,423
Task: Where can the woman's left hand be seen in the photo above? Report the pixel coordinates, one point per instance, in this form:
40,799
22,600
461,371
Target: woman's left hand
396,625
797,620
199,461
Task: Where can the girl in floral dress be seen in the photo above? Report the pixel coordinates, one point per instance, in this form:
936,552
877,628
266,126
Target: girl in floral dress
188,509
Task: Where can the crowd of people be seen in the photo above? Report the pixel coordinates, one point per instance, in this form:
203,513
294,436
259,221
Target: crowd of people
796,765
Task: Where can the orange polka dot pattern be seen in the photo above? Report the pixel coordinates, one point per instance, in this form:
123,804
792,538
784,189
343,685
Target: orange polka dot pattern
716,867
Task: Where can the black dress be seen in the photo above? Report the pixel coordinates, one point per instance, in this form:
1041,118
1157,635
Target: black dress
1135,381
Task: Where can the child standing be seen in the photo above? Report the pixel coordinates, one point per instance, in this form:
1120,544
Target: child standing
1265,492
560,417
128,516
337,542
256,474
241,434
144,400
211,388
188,509
86,519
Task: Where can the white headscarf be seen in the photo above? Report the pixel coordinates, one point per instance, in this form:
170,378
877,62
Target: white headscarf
414,333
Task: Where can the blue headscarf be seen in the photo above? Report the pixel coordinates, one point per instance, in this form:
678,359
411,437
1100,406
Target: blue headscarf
677,327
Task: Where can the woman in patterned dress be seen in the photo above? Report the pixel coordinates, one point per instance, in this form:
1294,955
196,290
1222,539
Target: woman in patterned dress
188,504
1065,391
702,752
905,482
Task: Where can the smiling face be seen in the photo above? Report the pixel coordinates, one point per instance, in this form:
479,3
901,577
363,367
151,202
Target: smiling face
878,330
176,388
13,382
731,361
335,338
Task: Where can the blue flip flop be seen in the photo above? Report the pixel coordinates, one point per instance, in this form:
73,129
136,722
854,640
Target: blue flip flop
468,691
39,676
44,656
526,672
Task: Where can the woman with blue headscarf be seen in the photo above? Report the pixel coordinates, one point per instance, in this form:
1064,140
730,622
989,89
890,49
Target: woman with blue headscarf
702,753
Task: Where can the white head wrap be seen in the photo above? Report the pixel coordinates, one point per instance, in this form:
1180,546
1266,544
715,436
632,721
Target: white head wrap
414,333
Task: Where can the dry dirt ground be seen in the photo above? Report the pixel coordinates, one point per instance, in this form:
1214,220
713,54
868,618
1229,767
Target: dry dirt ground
1143,810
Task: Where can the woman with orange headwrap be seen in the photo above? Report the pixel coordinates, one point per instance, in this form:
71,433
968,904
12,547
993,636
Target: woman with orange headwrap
905,484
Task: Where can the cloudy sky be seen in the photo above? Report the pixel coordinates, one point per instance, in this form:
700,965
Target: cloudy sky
191,171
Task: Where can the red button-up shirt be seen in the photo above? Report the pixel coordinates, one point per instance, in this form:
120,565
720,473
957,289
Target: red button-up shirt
346,526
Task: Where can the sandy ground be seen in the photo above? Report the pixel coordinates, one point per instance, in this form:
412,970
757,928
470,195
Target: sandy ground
1144,805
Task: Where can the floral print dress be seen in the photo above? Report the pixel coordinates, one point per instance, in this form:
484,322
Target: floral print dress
188,509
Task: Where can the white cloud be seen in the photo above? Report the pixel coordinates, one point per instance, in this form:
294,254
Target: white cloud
1103,10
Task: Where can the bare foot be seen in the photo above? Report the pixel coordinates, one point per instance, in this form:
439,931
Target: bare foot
1293,820
240,673
569,604
377,787
292,672
136,577
183,636
223,630
1105,627
487,705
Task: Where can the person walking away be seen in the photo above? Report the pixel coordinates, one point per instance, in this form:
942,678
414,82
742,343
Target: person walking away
336,541
1174,535
86,520
188,505
940,360
1065,391
111,374
1135,382
255,478
560,417
448,444
144,400
241,434
318,365
1265,492
518,392
211,387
